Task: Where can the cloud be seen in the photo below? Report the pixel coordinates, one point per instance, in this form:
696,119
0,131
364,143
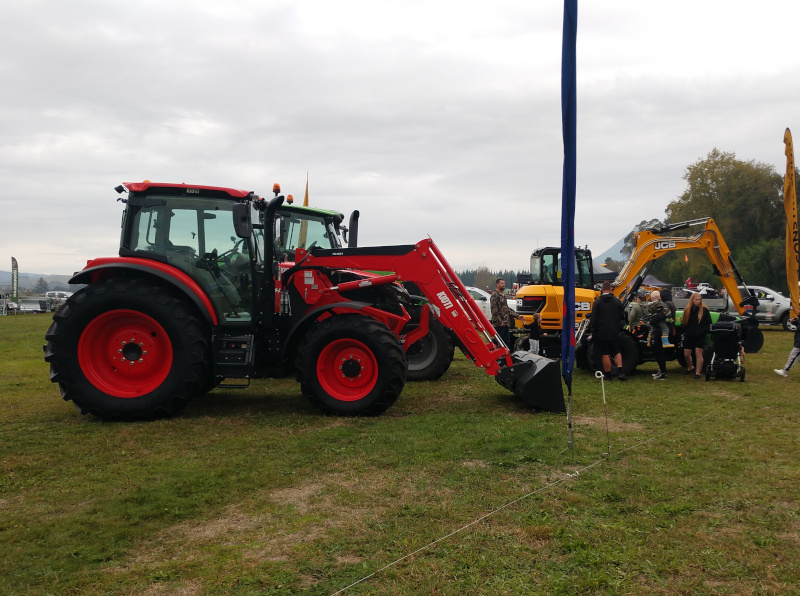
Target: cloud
431,118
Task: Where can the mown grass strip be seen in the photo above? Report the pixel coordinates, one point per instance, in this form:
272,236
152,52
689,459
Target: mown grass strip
254,492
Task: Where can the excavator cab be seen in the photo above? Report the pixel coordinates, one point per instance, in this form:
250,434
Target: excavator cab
546,267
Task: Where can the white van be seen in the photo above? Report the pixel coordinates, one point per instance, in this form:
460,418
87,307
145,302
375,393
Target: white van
56,297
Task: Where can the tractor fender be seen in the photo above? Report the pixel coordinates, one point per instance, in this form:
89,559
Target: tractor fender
107,268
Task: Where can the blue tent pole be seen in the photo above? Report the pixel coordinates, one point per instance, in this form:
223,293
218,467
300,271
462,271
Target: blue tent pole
569,133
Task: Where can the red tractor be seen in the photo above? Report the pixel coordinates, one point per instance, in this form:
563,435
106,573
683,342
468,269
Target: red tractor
215,286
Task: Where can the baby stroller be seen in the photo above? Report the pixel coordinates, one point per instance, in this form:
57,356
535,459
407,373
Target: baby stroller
727,358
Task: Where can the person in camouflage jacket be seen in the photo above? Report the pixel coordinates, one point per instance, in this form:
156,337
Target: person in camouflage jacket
502,315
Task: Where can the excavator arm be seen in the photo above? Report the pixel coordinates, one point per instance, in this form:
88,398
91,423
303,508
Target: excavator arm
533,378
655,242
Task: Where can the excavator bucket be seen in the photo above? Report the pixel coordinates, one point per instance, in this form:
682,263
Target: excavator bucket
536,380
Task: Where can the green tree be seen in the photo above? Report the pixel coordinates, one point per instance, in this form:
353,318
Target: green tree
484,279
629,242
745,198
40,287
613,265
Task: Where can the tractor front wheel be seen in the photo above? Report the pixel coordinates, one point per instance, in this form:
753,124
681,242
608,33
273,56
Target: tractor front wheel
429,357
123,349
351,365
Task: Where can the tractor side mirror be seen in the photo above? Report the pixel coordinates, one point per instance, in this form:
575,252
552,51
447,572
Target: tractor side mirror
241,220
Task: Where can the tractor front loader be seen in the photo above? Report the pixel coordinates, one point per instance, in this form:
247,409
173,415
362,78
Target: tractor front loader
204,294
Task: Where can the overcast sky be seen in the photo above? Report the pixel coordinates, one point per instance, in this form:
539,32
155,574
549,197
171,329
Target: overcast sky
434,118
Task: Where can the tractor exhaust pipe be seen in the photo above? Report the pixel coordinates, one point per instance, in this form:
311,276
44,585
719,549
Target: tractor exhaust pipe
536,380
352,239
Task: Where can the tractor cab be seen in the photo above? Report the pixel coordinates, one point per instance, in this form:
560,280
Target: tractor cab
217,237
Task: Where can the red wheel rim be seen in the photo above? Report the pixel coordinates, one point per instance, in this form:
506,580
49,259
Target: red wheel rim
125,353
347,370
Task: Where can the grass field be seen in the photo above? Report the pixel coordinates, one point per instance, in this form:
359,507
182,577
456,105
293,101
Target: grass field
457,489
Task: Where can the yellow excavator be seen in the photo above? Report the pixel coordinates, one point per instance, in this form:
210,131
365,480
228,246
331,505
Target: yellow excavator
651,244
545,294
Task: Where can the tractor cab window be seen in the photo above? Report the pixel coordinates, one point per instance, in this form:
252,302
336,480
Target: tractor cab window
197,236
304,230
257,242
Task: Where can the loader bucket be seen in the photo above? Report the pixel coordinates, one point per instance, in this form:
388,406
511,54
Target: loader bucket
536,380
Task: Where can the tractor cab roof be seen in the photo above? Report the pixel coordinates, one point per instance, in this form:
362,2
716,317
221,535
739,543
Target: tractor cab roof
152,187
313,210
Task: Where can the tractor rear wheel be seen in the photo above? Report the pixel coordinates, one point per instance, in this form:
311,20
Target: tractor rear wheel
351,365
429,357
123,349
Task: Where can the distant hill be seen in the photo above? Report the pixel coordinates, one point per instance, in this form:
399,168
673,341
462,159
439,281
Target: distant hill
615,253
27,280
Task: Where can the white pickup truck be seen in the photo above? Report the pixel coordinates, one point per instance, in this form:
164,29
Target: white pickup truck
773,307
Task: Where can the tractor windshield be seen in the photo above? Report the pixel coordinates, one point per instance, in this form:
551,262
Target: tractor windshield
303,229
197,236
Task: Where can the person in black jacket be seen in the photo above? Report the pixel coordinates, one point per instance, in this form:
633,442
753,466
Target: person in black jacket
605,326
696,324
794,355
658,348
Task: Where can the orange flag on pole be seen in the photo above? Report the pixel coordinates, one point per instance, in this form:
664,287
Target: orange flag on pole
790,207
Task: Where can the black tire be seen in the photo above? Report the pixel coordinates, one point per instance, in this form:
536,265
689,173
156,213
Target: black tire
786,323
627,349
708,355
593,361
754,341
351,365
680,357
630,353
104,373
430,357
582,355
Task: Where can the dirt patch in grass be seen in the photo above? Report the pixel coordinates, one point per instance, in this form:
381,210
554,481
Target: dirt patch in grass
289,518
613,425
474,464
189,588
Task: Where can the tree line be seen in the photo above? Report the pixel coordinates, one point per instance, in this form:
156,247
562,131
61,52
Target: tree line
485,279
745,198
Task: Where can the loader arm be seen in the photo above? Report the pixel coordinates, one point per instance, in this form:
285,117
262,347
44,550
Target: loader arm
535,379
424,265
653,243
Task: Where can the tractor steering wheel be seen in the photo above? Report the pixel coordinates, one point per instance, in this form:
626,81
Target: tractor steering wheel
209,262
229,253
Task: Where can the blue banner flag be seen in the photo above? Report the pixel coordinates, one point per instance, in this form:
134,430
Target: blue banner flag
568,126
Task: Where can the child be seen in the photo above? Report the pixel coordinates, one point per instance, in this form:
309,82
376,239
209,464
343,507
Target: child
657,306
535,329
